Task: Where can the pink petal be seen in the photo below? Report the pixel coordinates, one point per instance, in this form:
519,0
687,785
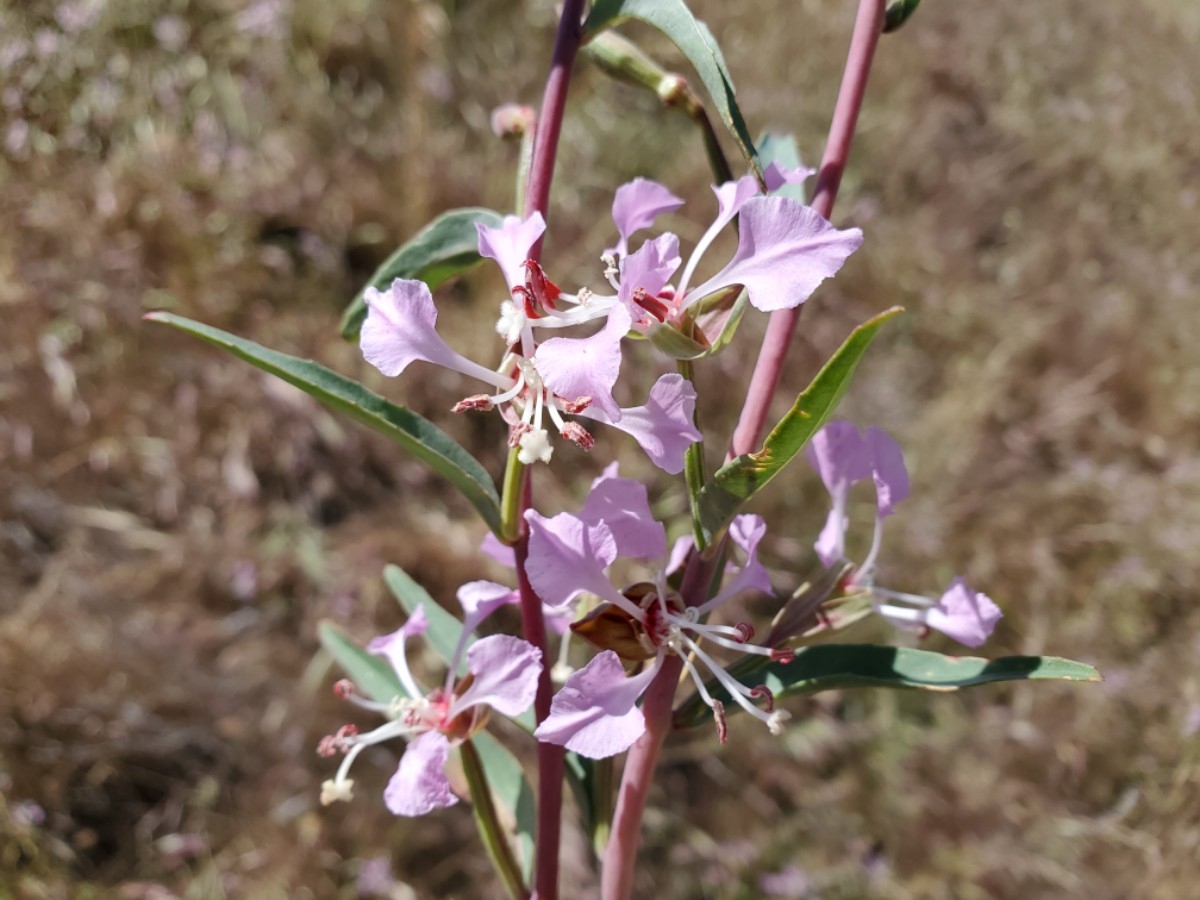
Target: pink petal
679,553
567,556
595,714
888,470
498,550
831,543
509,245
840,456
664,426
586,367
776,176
506,671
747,532
785,250
400,329
650,268
393,647
637,204
479,599
420,784
624,506
964,614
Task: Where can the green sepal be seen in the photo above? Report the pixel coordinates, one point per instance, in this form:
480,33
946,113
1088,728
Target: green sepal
826,667
696,42
445,247
742,477
413,432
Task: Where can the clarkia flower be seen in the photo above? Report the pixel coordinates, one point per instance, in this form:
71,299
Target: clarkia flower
502,674
595,714
534,382
844,456
785,250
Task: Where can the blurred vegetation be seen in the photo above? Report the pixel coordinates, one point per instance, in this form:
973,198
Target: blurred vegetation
172,525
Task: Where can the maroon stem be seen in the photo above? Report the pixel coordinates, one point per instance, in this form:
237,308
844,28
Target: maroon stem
767,370
550,757
554,102
620,856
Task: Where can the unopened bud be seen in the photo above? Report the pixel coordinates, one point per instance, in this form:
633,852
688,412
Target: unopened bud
513,120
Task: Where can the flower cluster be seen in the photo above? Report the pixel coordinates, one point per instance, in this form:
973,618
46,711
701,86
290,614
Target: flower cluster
595,714
785,250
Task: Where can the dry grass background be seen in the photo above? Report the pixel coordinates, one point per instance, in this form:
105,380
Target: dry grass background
172,525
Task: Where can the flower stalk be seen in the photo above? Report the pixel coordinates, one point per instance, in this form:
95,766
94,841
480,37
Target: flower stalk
494,839
768,369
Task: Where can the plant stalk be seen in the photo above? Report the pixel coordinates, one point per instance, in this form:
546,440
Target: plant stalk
768,369
620,857
550,757
494,838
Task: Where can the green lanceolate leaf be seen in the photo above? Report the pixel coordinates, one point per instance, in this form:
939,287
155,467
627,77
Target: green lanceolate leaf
446,246
830,666
372,674
413,432
695,41
512,790
444,629
740,478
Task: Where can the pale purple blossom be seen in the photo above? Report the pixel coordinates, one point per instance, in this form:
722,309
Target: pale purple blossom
595,714
843,456
502,674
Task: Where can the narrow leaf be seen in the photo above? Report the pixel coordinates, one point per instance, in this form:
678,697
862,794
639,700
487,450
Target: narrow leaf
830,666
446,246
740,478
511,788
413,432
696,42
371,673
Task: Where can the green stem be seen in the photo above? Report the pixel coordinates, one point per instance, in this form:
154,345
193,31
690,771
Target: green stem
694,469
603,800
494,839
510,498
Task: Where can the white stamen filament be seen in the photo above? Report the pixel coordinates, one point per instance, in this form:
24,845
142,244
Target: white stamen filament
504,397
866,571
915,599
555,417
738,691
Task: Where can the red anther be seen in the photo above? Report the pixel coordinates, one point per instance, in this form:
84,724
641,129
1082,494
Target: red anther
652,305
763,693
745,632
545,292
474,402
576,406
783,655
343,688
523,296
657,628
718,709
327,746
346,731
667,294
516,432
577,434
